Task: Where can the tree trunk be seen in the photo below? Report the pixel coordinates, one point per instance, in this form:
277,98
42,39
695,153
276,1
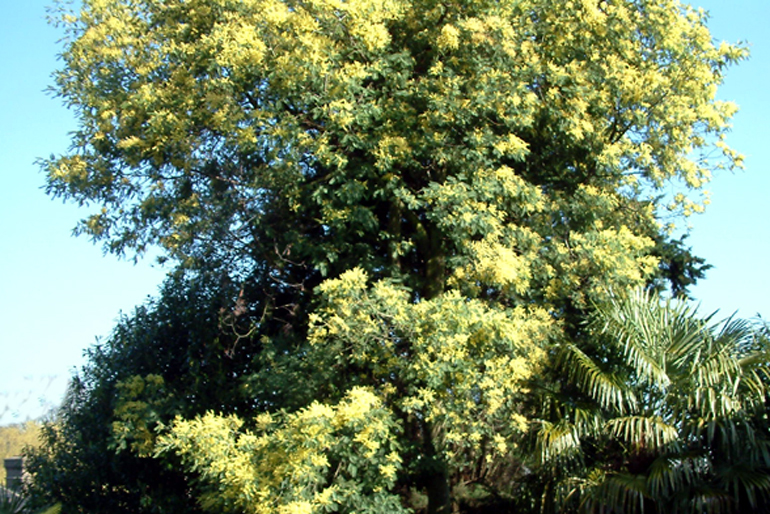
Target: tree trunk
437,487
436,477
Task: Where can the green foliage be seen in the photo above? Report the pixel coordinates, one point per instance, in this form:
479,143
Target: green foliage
170,358
676,419
394,206
679,268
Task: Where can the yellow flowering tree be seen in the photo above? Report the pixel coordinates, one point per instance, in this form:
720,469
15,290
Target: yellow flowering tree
318,459
416,199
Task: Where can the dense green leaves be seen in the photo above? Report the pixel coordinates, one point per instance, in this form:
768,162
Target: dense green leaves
680,398
168,358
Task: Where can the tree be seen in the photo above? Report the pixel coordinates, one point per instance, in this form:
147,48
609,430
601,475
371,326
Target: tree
171,357
414,200
676,418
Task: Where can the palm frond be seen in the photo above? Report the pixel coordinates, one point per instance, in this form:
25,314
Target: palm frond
617,493
606,388
558,441
679,419
586,420
669,473
708,500
647,432
635,325
747,482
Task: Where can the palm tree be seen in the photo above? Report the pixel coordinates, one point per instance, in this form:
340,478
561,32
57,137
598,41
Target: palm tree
661,412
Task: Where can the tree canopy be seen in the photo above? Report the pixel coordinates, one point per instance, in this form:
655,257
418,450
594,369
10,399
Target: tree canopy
410,206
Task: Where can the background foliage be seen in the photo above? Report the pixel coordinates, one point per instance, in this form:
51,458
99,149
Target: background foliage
14,438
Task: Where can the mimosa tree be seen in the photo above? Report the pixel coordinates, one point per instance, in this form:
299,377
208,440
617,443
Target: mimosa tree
415,200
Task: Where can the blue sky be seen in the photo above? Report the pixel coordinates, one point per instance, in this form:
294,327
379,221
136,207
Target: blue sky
58,293
734,233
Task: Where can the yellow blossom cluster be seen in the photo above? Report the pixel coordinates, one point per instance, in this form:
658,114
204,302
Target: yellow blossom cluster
318,458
